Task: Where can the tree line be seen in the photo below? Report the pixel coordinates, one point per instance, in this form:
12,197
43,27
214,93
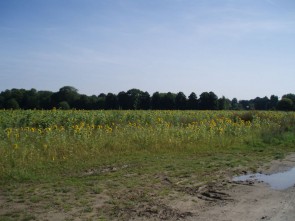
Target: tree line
134,99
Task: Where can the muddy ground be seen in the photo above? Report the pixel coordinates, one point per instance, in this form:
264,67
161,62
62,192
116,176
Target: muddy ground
223,200
232,201
255,201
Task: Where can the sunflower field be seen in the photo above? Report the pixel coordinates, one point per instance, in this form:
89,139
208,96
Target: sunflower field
33,140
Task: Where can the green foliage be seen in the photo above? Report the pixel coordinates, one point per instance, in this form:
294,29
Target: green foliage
208,101
181,101
12,104
70,160
34,141
224,104
135,99
63,105
192,103
290,96
285,104
111,102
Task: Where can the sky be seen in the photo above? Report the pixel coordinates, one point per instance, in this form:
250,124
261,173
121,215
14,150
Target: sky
235,48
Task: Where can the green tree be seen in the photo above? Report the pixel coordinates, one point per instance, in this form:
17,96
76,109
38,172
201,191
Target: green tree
125,101
93,102
6,95
83,102
134,95
2,100
168,101
66,93
30,100
208,101
144,101
12,104
291,97
224,103
285,104
111,102
101,101
44,99
273,102
180,101
18,95
156,101
192,103
261,103
63,105
246,105
234,104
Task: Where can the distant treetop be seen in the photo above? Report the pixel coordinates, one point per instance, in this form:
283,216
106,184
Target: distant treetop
134,99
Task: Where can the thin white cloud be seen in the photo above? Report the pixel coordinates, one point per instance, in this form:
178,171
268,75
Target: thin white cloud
271,2
82,57
241,28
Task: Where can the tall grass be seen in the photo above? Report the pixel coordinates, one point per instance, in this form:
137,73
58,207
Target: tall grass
36,142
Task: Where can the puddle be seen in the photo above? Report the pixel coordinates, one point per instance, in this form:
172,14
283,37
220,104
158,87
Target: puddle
278,181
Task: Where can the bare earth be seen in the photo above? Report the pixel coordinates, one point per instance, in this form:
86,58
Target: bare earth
223,200
231,201
255,201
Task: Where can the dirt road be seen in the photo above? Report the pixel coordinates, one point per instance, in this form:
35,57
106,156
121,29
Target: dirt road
223,200
251,203
254,201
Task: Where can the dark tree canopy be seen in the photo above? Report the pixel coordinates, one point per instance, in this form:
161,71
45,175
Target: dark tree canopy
261,103
12,104
134,95
192,103
64,105
286,104
234,104
44,98
124,101
134,99
168,101
66,93
156,101
273,102
144,101
291,97
245,105
208,101
180,101
111,102
224,103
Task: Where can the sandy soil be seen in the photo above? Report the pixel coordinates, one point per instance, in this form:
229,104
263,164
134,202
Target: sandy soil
223,200
228,201
254,201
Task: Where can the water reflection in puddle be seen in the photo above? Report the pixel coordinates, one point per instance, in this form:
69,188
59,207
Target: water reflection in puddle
277,181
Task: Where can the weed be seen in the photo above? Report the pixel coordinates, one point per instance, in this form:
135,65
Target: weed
96,189
103,160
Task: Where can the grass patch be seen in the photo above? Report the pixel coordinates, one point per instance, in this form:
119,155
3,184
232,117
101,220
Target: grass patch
101,164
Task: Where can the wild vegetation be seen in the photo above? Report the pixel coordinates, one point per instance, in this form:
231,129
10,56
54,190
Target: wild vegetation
36,139
130,156
68,98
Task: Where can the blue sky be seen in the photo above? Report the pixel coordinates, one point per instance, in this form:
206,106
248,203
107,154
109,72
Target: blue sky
235,48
